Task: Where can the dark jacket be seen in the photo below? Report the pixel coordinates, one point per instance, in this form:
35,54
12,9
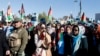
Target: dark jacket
3,43
83,48
31,47
67,44
92,41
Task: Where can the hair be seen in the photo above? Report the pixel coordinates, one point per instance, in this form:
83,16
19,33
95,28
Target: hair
68,26
1,24
35,30
58,24
62,26
75,27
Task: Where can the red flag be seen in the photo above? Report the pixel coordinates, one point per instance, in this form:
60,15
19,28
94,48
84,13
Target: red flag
9,10
50,11
50,14
83,18
22,9
9,14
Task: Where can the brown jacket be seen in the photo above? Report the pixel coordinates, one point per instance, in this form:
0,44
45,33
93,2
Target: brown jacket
23,35
48,51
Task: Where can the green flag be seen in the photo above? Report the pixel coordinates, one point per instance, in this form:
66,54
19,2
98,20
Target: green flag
9,14
50,14
22,12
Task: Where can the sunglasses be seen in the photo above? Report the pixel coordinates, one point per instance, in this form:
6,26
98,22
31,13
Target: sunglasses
15,22
75,30
42,28
9,22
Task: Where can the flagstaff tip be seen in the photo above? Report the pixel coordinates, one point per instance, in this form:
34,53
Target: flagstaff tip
9,3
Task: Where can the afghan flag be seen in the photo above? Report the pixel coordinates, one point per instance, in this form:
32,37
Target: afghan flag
9,14
83,17
1,14
50,14
22,12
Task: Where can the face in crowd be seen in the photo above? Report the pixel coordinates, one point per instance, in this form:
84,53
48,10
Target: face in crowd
69,29
18,24
75,30
43,28
62,29
58,26
9,23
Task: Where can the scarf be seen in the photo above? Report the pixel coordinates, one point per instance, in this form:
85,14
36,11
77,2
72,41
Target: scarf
76,43
61,44
31,28
61,36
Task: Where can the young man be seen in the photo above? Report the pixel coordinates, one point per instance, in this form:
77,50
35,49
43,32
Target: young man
20,43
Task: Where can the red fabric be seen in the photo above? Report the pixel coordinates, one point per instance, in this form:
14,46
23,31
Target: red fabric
58,35
22,9
82,18
42,36
49,12
8,10
30,24
98,28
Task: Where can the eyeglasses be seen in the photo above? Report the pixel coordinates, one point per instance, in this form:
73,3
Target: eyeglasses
15,22
9,22
42,28
75,30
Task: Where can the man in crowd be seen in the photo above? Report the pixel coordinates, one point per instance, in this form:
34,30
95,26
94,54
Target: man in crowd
18,39
3,43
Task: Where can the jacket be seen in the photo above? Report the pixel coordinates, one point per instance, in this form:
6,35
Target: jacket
23,35
3,43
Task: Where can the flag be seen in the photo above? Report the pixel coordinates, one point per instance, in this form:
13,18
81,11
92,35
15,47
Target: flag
9,14
22,9
80,6
50,14
83,17
1,14
22,12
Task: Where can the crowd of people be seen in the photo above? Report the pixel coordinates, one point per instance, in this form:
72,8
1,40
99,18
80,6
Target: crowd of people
19,38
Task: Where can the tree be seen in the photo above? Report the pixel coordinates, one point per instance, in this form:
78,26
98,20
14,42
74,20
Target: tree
44,16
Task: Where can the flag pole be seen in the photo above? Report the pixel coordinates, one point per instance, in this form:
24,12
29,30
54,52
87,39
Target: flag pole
80,12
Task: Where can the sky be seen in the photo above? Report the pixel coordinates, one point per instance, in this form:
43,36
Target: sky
60,8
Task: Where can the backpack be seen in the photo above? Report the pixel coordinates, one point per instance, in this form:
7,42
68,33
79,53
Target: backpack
14,40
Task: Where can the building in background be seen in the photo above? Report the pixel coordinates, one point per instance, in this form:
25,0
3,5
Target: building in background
97,17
